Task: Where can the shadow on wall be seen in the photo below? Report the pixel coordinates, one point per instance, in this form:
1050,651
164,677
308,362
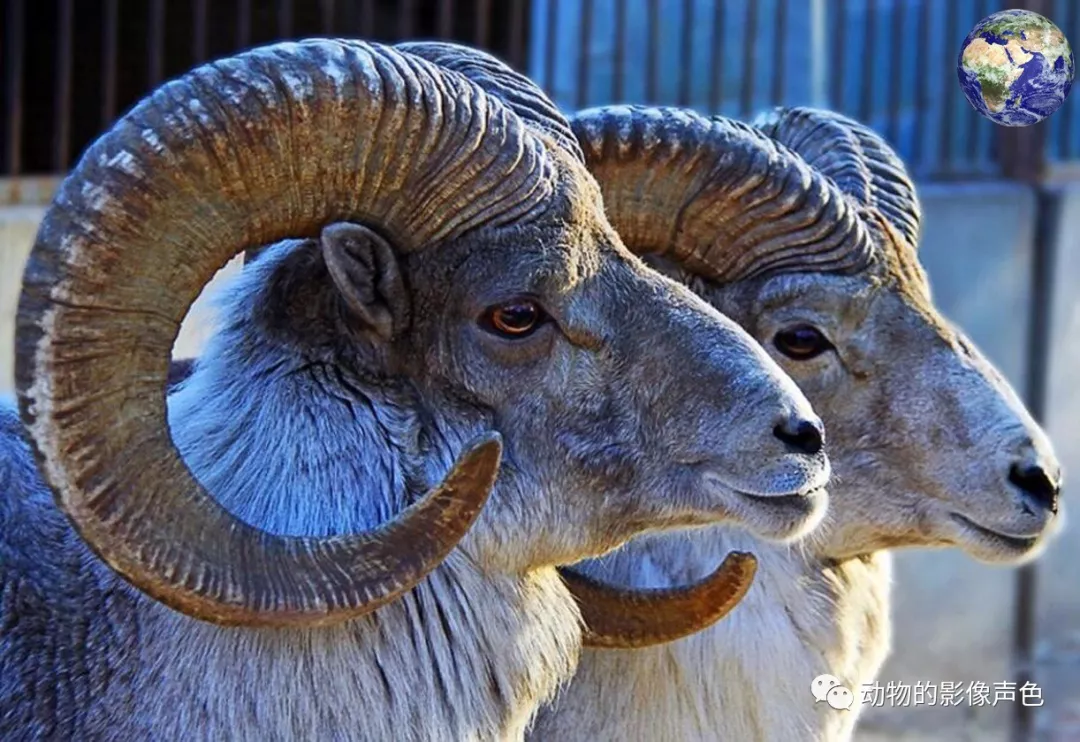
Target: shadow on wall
952,616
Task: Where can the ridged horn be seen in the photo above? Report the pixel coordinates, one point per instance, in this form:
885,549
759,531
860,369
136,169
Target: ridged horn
270,144
855,157
523,96
493,76
634,618
717,195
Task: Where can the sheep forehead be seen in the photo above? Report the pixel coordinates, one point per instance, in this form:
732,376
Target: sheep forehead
570,242
848,298
552,261
868,311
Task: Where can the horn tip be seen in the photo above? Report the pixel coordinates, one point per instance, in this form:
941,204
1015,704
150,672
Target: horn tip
486,444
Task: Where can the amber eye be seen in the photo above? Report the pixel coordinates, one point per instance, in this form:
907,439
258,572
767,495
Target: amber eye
801,342
516,319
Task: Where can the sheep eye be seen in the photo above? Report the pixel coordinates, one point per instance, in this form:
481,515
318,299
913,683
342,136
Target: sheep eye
516,319
801,342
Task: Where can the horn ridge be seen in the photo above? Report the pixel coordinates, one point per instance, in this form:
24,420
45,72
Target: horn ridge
716,194
521,94
856,157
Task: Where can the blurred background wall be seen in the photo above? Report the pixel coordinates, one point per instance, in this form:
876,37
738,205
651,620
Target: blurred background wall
1001,233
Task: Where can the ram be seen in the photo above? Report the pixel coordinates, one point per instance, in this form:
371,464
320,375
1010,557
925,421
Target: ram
252,558
805,231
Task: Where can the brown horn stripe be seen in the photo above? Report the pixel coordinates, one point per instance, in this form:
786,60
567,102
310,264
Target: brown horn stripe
523,96
855,157
633,618
246,151
717,195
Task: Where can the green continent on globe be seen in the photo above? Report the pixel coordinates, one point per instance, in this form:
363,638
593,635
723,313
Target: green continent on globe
1016,67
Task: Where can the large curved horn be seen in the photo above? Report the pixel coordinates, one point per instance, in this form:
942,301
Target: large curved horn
632,619
523,96
270,144
492,75
717,195
855,157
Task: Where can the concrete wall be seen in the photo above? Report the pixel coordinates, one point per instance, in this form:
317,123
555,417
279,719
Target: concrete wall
952,616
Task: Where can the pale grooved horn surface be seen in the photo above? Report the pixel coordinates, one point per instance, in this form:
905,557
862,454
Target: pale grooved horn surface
717,195
855,157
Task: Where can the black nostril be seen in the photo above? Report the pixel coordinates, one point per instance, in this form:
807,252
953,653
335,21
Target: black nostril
803,436
1035,482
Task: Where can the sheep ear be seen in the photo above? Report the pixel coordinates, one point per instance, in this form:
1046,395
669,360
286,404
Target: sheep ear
366,272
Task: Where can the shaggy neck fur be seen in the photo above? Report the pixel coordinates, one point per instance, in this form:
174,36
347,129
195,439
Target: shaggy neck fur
747,678
296,449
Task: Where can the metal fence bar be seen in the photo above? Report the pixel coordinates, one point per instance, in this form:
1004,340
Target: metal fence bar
922,93
1047,217
584,37
620,50
776,95
651,53
746,94
687,52
199,22
405,18
549,46
948,91
517,34
285,19
156,37
243,24
109,42
716,69
14,21
483,18
328,16
866,94
1070,26
896,42
836,64
445,19
62,105
367,18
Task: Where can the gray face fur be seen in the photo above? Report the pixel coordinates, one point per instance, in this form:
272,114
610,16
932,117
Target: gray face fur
588,404
804,228
930,445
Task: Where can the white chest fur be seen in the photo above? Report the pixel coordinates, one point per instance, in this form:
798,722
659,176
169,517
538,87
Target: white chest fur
748,677
431,666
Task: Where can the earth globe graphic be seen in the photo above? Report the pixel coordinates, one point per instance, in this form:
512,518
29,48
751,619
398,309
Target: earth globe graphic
1016,67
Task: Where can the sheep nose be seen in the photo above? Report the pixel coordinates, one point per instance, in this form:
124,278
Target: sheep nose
1036,484
801,435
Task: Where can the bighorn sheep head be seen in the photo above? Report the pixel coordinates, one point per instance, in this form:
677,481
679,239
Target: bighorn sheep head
429,240
805,231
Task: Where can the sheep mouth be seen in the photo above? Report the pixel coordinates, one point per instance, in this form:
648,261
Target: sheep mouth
1004,541
797,511
801,501
781,515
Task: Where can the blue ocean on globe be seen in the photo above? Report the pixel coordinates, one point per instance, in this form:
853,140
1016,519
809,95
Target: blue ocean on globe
1016,67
